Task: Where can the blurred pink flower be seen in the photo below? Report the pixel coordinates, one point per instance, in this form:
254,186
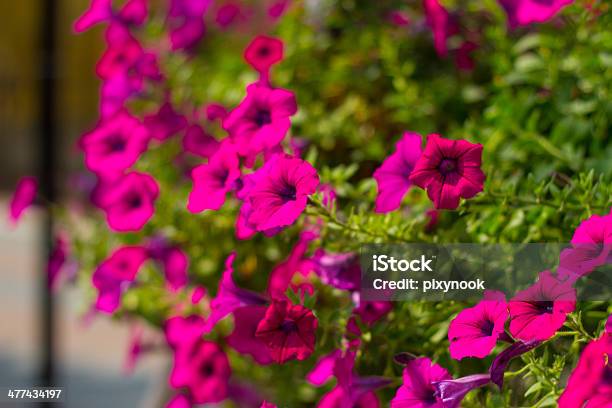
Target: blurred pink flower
463,57
215,111
229,13
418,388
339,270
278,8
179,401
133,12
288,331
475,330
186,23
243,338
393,176
449,170
441,25
23,197
198,142
267,404
263,52
165,123
281,191
212,181
524,12
502,360
173,260
130,203
183,332
537,312
282,274
56,261
399,18
261,120
370,312
115,144
451,392
116,272
197,294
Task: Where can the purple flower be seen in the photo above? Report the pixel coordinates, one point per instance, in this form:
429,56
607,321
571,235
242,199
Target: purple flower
261,120
342,270
133,12
200,143
500,364
186,23
524,12
23,197
451,392
243,338
173,260
418,389
165,122
263,52
393,176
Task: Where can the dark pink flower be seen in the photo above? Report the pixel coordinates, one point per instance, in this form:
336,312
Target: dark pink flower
267,404
228,14
204,370
393,176
165,122
441,25
230,297
243,339
280,193
370,312
475,330
537,312
198,294
342,270
113,274
56,261
134,12
263,52
278,8
418,389
590,384
23,197
179,401
200,143
134,350
130,203
213,180
261,121
463,57
186,23
500,363
608,327
399,18
449,170
184,332
115,144
288,331
174,262
215,111
524,12
451,392
339,398
282,274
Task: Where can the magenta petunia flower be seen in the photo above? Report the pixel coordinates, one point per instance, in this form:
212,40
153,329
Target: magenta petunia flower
212,181
441,25
261,120
266,404
200,143
501,361
281,191
338,397
288,331
524,12
230,297
135,348
537,312
449,170
263,52
173,260
243,339
179,401
608,327
133,12
341,270
204,370
115,144
418,389
112,275
393,176
186,23
165,122
183,332
130,203
475,330
399,18
282,274
452,392
215,111
23,197
371,312
198,294
590,384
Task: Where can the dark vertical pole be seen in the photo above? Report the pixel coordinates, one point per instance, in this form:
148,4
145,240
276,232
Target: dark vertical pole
47,169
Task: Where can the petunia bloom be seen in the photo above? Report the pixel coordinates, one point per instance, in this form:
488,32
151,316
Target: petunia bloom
23,197
341,270
186,23
129,204
165,122
296,263
243,338
173,260
198,142
263,52
524,12
371,312
112,275
537,312
288,331
475,330
115,144
418,389
501,361
261,120
441,25
280,194
179,401
449,170
393,176
451,392
213,180
133,12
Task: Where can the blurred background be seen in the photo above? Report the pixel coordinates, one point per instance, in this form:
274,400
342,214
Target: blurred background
88,354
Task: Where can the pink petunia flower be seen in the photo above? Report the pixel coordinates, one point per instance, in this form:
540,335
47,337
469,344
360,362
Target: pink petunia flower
524,12
228,13
449,170
174,262
183,332
475,330
215,111
278,8
133,12
212,181
179,401
267,404
113,274
590,384
418,389
451,392
23,197
393,176
263,52
502,360
282,274
130,203
243,338
537,312
200,143
280,192
341,270
135,349
399,18
115,144
441,25
186,23
165,122
198,294
261,120
288,331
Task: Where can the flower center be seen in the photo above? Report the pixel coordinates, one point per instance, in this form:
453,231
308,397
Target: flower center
207,369
545,306
487,328
288,326
262,117
134,201
447,166
116,143
263,51
288,193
